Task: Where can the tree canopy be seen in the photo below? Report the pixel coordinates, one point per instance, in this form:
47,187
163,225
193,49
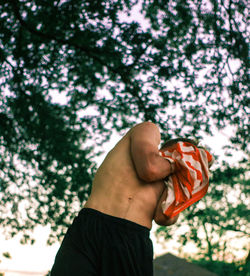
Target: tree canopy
180,64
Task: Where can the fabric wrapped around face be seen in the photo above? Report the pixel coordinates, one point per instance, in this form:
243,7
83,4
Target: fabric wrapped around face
190,181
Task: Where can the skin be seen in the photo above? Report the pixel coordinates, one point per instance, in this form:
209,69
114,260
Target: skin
129,183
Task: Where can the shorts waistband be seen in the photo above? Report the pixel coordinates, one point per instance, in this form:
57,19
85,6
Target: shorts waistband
116,221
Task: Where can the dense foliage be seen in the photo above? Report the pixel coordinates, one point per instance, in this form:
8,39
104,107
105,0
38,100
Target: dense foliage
74,71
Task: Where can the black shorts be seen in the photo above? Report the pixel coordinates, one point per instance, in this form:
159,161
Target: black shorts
97,244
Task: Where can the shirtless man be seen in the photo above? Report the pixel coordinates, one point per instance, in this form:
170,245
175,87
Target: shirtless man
110,236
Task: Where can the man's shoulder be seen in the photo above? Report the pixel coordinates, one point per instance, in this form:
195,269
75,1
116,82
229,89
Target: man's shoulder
141,131
144,134
144,126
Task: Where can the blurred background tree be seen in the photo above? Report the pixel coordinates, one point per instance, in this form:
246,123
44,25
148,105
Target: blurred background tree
218,225
74,72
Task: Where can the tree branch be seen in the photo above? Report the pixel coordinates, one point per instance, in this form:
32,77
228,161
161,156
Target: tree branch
125,73
209,245
50,37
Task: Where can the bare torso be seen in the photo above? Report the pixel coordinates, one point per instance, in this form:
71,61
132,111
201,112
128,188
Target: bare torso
118,191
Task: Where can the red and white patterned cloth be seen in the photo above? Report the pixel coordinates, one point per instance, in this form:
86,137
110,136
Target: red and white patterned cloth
190,181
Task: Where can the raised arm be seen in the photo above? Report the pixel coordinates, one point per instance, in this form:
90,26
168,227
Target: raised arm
149,165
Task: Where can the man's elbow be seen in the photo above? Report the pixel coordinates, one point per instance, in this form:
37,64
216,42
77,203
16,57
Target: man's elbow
164,220
149,174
